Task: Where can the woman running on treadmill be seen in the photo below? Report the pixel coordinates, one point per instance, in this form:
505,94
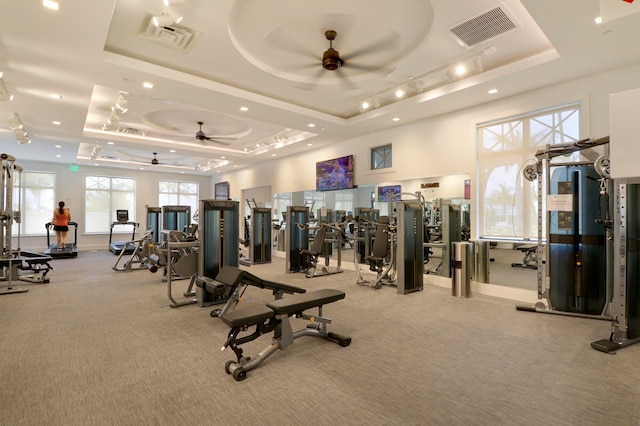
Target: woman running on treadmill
61,218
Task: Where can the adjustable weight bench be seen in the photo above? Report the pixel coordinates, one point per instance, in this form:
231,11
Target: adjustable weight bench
275,316
231,283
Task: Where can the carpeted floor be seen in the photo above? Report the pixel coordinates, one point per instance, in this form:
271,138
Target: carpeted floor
100,347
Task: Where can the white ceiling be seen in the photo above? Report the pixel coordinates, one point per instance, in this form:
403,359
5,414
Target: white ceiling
266,56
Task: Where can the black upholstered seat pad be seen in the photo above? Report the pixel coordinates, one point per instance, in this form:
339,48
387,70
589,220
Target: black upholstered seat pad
247,316
301,302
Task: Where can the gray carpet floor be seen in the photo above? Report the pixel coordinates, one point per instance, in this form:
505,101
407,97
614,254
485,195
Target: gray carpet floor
100,347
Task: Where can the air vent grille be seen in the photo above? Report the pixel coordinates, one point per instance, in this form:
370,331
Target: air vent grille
174,36
486,26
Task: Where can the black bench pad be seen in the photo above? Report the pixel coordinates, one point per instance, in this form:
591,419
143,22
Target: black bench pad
301,302
232,276
247,316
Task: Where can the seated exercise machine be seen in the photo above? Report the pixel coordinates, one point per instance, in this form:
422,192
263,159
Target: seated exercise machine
231,283
382,257
322,245
275,316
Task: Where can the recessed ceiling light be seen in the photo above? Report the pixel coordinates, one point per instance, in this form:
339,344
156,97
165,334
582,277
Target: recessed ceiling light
492,91
244,109
598,20
223,157
55,96
50,4
147,85
309,144
56,123
311,125
395,119
172,150
111,143
58,146
58,155
141,168
235,165
273,155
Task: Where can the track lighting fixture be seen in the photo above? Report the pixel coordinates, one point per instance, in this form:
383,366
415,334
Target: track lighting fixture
435,78
18,130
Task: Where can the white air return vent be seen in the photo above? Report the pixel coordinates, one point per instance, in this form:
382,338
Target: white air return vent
486,26
107,157
174,36
131,131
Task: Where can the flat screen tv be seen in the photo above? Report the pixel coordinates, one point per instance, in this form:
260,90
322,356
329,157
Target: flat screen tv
222,191
386,193
336,173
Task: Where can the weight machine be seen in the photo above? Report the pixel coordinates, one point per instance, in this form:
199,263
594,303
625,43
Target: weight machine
326,234
575,277
258,234
12,262
296,238
219,242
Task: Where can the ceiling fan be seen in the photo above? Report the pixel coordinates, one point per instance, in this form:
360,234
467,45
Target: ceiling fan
155,161
202,136
365,59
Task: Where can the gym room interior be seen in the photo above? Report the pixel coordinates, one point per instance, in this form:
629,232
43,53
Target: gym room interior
444,192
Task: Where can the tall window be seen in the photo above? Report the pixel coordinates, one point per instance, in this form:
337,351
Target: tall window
179,194
507,203
103,196
381,157
33,195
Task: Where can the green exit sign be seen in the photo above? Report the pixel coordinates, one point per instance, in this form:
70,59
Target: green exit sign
74,168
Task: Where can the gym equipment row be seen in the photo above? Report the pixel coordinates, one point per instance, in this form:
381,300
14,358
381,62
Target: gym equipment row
275,317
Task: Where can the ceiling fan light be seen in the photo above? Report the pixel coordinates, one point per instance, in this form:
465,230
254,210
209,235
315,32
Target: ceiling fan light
24,141
6,97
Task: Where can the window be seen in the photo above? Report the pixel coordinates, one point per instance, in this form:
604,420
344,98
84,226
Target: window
179,194
381,157
103,196
507,203
34,196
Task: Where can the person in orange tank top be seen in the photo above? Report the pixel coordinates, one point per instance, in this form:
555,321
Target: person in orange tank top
61,218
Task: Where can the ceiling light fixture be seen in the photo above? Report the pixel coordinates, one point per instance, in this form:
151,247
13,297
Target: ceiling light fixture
50,4
435,78
18,129
147,85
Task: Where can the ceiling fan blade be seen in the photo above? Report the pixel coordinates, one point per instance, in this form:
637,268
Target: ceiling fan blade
348,84
278,40
388,43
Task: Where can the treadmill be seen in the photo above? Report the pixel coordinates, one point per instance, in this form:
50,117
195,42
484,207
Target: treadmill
122,219
70,250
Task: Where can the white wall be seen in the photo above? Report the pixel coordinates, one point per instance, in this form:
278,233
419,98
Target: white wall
443,145
70,189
